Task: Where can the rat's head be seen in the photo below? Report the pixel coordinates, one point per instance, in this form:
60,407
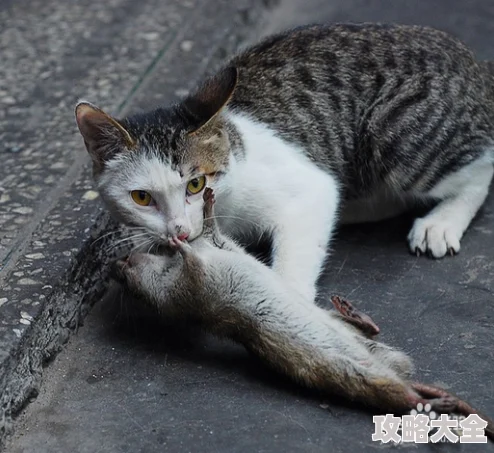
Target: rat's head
152,169
149,276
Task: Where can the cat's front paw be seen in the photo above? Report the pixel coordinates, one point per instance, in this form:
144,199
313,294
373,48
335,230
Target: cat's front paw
434,237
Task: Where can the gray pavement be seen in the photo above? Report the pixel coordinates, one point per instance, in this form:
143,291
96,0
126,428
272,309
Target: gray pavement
126,382
52,53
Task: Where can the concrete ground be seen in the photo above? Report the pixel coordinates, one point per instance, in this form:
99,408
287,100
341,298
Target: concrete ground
128,383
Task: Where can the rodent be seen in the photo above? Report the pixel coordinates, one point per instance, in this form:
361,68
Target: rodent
214,281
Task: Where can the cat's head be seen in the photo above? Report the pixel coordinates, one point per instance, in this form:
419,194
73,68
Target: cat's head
151,169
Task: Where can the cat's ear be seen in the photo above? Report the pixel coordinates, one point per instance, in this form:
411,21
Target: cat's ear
206,102
103,135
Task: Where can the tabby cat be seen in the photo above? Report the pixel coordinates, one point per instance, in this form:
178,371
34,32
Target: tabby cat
313,126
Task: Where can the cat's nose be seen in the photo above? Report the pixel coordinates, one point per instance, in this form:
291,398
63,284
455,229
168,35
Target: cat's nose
178,227
181,231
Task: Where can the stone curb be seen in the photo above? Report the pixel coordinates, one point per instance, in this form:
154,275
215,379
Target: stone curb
69,243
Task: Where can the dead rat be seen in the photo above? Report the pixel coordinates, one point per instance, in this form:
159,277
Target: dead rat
214,281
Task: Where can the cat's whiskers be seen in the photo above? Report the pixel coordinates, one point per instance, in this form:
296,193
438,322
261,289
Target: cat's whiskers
114,232
126,240
104,236
142,244
130,238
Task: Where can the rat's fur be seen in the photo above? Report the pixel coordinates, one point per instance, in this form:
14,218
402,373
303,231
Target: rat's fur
213,281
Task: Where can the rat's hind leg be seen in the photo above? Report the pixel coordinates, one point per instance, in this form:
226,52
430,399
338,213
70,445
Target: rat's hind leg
462,194
445,402
355,317
388,356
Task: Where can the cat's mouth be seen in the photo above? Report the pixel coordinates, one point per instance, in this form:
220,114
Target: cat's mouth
158,246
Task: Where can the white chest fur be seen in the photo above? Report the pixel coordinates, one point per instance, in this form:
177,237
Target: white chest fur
273,174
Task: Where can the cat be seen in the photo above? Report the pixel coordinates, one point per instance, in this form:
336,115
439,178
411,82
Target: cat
320,124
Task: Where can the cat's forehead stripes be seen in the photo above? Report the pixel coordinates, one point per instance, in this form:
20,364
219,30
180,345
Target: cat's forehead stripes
160,130
163,134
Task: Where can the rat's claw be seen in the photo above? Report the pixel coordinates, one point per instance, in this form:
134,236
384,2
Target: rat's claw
444,405
174,243
208,198
356,317
208,206
182,246
208,194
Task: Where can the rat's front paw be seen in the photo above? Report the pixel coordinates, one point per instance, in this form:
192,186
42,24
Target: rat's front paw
208,196
209,201
117,270
121,269
181,246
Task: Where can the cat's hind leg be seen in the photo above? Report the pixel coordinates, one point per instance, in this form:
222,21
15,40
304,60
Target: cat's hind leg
461,194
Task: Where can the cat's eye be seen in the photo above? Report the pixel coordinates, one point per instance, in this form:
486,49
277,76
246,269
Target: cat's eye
141,197
196,185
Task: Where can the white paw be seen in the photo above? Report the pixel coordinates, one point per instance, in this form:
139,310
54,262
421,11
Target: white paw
435,237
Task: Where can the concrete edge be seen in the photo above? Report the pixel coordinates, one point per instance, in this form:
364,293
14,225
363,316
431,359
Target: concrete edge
79,270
